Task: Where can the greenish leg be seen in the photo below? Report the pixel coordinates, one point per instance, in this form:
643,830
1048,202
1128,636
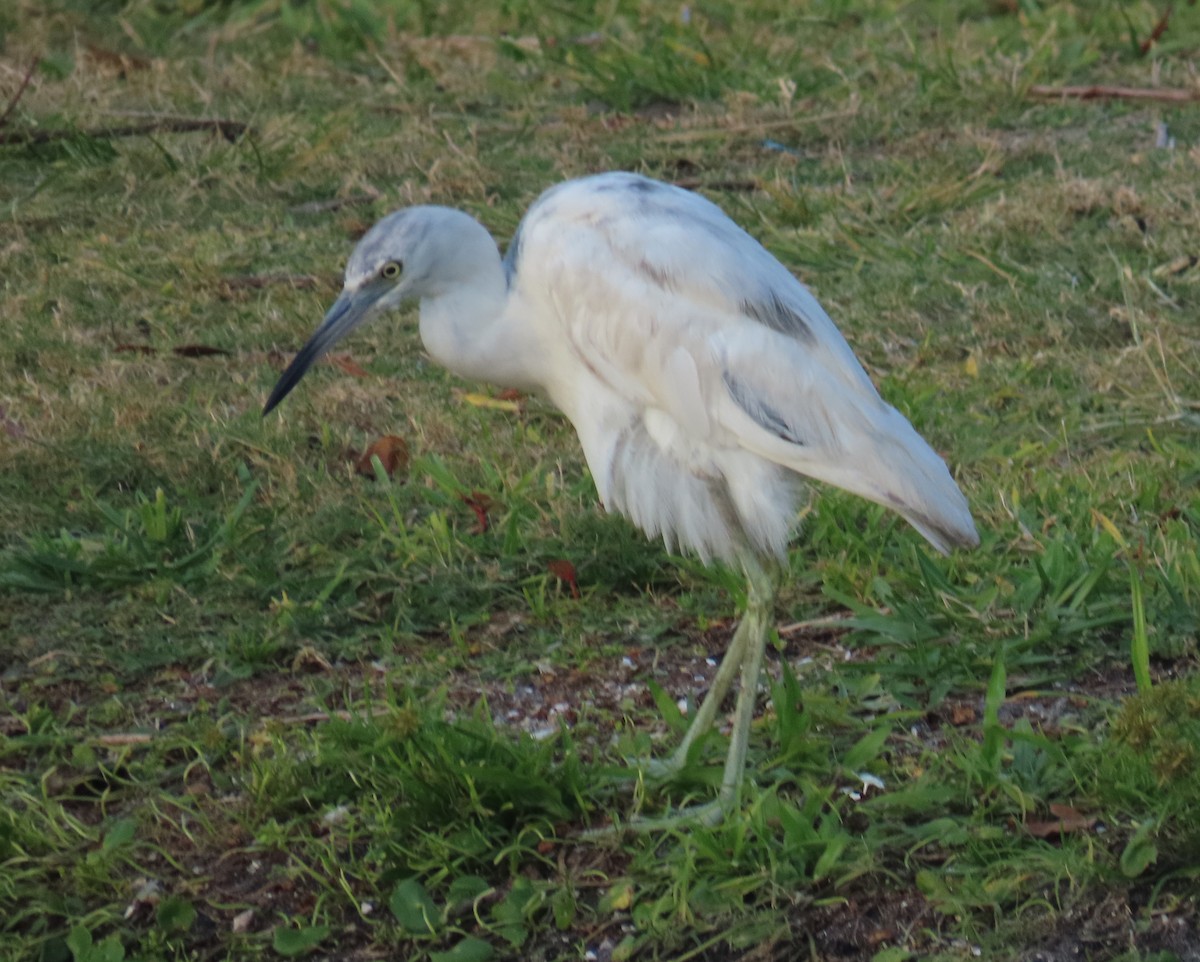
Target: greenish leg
667,767
745,656
760,610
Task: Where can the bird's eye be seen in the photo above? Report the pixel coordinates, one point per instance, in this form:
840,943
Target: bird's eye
391,270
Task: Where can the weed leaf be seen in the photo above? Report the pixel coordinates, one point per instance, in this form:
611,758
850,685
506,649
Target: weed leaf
293,942
175,915
119,834
414,909
1140,851
469,949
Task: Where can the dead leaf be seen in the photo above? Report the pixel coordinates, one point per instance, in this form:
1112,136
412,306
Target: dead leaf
346,364
122,739
392,451
1177,266
1068,820
1156,34
563,570
495,403
962,714
481,504
198,350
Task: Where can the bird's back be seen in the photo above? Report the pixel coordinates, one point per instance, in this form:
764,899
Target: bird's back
702,376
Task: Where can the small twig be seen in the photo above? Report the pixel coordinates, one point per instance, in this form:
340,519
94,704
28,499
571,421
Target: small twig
20,90
1012,281
131,738
830,621
231,130
1102,92
1159,29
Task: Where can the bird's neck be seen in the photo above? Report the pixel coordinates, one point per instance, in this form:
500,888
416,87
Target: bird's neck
467,330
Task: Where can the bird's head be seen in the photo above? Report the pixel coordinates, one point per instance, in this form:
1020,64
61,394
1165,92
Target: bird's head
409,255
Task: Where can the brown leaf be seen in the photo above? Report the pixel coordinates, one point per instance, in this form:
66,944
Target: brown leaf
962,714
481,504
1159,29
392,451
198,350
1067,820
1069,814
563,570
345,364
1177,266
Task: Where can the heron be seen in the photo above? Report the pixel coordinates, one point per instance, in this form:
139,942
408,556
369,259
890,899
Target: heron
704,381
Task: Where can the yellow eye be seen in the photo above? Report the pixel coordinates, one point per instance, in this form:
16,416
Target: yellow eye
391,270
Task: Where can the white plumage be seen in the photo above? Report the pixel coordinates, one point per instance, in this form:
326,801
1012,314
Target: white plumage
702,378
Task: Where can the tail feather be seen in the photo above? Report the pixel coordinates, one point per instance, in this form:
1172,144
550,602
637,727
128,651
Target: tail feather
891,464
881,458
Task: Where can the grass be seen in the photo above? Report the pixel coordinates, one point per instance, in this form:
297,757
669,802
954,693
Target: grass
255,703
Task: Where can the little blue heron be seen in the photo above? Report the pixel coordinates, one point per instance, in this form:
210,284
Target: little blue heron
704,381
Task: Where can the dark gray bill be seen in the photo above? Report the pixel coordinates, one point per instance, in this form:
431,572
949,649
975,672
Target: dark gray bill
347,312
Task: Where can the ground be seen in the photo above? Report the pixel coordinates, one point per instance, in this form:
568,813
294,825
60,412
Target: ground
259,696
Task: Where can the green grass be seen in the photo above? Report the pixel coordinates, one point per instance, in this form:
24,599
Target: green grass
254,703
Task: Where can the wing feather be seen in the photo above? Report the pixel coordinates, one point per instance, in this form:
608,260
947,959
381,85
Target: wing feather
688,334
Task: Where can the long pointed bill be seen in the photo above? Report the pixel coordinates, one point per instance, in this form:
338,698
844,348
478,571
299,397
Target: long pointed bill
347,312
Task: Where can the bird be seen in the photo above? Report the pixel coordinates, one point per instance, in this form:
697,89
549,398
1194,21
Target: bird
705,383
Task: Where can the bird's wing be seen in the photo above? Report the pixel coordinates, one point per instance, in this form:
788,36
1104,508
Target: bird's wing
696,328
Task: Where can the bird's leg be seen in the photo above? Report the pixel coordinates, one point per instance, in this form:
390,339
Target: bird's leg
762,580
734,655
745,654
